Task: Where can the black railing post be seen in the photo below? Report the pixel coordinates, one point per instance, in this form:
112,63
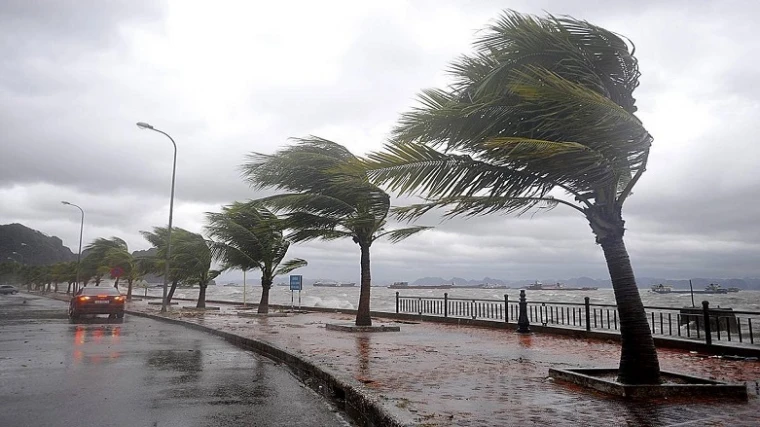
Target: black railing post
445,304
506,308
587,303
523,324
706,313
396,302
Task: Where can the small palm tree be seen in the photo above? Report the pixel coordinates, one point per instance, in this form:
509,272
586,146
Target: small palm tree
156,264
545,106
190,259
192,254
328,197
249,236
109,254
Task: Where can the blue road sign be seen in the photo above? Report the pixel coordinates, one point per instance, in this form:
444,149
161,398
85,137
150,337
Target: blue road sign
296,282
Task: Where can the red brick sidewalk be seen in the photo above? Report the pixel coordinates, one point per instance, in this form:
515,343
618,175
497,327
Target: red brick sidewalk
440,375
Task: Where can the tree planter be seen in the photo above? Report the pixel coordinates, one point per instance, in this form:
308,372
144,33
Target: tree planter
673,385
350,327
248,314
193,308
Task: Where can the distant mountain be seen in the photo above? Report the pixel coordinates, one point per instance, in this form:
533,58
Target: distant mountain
28,246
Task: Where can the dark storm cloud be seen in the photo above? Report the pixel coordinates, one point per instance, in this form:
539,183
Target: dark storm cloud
77,75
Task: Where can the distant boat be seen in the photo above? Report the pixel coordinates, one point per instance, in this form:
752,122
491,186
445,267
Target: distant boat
405,285
733,290
712,288
332,284
538,286
232,284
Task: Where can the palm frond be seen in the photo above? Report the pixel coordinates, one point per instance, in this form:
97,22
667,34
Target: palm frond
478,206
290,265
305,235
414,168
397,235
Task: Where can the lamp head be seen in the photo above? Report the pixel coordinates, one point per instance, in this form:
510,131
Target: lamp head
65,202
143,125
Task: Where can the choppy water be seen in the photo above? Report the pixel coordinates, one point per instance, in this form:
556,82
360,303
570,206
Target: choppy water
383,299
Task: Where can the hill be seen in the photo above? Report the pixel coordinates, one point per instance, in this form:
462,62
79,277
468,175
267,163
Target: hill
28,246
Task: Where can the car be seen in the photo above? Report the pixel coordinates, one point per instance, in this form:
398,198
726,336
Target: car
92,300
8,289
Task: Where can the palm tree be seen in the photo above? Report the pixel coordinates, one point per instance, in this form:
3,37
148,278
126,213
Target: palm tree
155,265
190,259
328,197
109,254
249,236
543,108
192,254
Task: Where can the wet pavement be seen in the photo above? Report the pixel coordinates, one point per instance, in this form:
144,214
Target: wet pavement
443,375
139,372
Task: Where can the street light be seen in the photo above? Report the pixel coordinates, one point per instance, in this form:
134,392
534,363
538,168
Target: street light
79,254
143,125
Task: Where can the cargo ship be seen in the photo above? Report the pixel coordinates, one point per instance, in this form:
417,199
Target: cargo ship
332,284
538,286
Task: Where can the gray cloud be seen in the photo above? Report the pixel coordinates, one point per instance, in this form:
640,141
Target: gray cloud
77,76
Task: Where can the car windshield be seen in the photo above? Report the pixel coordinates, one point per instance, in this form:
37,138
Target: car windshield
105,290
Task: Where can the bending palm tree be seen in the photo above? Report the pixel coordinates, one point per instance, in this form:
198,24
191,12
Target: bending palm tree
328,198
110,253
249,236
544,104
191,254
190,259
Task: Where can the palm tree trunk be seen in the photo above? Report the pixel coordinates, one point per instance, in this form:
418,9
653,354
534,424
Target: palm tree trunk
202,296
362,314
266,285
171,291
638,356
68,288
129,289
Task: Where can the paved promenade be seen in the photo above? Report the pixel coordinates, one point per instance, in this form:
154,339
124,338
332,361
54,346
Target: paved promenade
443,375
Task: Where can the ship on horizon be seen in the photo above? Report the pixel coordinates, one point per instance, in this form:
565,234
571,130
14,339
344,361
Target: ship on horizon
712,288
538,286
333,284
406,285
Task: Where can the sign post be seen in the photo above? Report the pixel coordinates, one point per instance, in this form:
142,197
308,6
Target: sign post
296,284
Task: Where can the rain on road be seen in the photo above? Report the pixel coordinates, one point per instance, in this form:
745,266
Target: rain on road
138,373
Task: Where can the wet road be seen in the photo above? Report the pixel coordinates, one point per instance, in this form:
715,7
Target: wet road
138,373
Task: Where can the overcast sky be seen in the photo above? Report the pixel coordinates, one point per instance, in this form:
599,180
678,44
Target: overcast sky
226,78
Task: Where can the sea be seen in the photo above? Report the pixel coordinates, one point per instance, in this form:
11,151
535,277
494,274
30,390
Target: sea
383,298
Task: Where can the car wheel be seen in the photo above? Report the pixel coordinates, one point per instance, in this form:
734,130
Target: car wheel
120,315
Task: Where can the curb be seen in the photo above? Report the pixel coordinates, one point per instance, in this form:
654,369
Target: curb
363,408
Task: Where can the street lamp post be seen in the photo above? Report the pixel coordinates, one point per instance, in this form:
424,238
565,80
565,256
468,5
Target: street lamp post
143,125
79,254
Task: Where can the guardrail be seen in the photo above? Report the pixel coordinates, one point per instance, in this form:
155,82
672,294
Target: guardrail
696,323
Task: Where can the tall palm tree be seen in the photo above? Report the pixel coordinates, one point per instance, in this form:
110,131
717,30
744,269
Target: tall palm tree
250,236
543,108
328,197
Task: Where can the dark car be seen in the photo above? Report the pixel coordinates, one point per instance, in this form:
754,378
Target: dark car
97,300
8,289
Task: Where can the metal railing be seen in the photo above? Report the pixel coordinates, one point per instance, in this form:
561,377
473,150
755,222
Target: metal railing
696,323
